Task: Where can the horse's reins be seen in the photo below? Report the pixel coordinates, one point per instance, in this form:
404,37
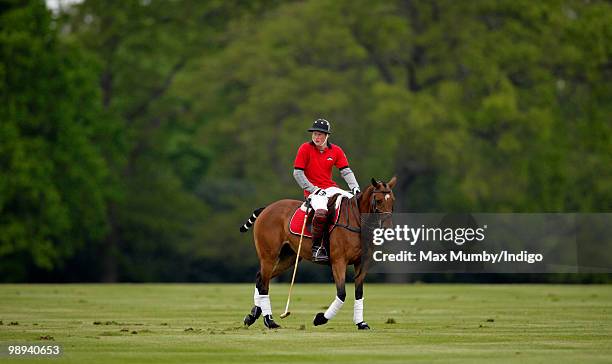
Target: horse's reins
343,205
373,208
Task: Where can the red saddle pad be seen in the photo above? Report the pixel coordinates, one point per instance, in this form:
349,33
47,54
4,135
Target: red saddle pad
297,220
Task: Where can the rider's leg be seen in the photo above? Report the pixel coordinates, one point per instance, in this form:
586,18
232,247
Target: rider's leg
319,205
331,191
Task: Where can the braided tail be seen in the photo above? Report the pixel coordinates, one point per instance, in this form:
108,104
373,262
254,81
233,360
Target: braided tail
247,225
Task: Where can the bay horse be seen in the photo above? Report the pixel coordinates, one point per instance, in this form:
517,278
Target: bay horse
276,247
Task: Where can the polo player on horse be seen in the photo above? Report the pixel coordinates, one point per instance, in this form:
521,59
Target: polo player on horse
313,172
278,248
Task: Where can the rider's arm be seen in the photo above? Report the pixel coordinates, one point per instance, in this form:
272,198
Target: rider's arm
300,178
300,163
346,173
349,177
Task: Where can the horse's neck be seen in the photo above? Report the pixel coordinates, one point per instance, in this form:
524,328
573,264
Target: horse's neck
331,203
361,206
358,205
363,202
353,215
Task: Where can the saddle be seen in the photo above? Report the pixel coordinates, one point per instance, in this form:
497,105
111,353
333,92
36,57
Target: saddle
333,215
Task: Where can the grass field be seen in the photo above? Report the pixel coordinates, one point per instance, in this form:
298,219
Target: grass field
202,323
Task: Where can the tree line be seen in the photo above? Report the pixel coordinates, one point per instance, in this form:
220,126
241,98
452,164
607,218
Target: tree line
136,136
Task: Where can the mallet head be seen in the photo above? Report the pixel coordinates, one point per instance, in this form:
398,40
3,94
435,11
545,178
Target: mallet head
285,314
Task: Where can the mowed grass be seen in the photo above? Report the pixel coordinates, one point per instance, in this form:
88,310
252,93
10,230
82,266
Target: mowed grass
158,323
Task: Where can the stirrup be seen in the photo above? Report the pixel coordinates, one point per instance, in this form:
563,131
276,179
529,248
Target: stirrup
319,254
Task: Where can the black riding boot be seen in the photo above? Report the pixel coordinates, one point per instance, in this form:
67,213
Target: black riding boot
319,254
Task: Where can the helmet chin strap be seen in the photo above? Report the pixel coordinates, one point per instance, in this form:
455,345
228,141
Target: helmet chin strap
324,141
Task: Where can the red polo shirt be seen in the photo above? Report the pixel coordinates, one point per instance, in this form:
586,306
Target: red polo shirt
317,165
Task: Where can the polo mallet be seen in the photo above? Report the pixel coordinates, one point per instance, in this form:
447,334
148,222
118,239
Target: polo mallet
297,259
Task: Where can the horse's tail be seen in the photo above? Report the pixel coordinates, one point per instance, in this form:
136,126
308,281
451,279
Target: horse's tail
247,225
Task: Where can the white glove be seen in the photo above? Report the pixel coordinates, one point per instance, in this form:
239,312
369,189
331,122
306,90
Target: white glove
355,191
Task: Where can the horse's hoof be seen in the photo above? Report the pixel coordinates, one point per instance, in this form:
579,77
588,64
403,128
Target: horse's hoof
320,319
249,320
253,316
256,312
363,326
269,322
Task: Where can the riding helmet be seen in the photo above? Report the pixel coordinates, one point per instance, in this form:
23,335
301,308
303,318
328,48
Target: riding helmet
321,125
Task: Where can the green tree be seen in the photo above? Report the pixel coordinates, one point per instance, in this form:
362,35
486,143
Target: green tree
477,106
186,115
143,48
54,181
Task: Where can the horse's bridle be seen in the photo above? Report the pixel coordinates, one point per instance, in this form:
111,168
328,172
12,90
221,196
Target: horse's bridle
385,215
373,208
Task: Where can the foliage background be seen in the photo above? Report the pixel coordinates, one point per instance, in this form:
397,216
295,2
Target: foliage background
136,136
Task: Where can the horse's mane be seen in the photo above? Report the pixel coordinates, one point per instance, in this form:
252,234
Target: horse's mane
331,202
361,195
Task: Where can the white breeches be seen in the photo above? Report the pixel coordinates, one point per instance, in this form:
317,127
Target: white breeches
320,202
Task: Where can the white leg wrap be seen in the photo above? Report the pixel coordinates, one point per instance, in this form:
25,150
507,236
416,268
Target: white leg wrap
266,307
256,299
262,301
333,308
358,311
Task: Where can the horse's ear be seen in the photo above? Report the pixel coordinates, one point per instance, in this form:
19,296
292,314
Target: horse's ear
374,183
392,182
